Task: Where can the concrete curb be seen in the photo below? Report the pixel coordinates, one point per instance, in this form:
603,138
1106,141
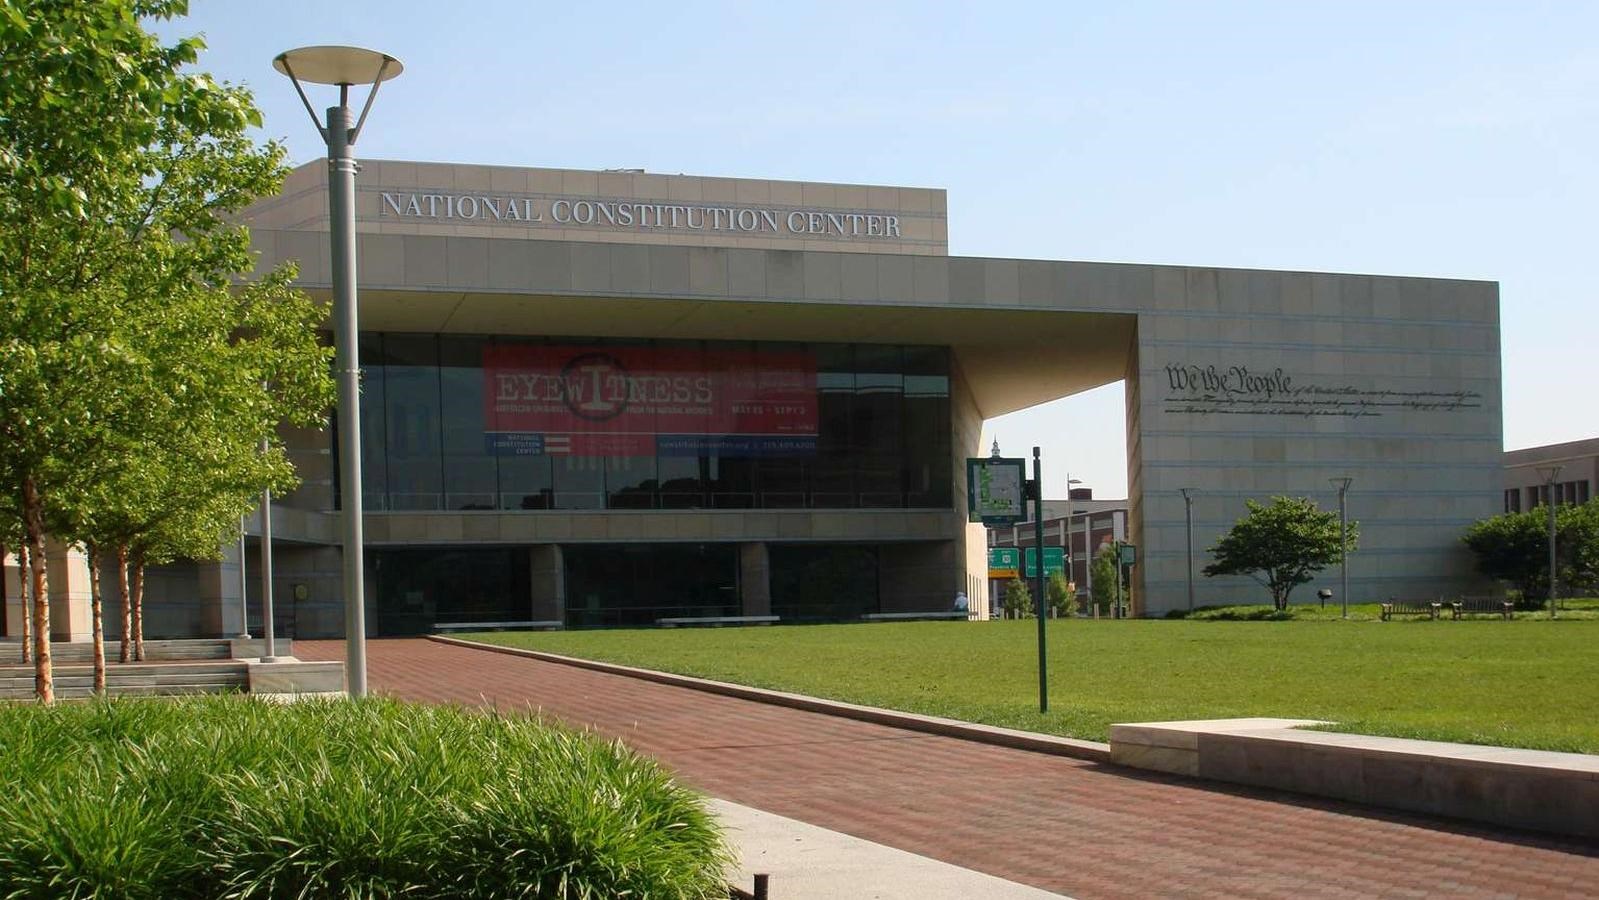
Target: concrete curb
967,731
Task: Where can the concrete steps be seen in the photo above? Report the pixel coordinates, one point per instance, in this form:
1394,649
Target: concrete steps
75,680
66,653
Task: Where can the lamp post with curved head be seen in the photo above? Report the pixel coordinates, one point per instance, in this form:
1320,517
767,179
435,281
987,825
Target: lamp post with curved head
344,67
1342,484
1550,473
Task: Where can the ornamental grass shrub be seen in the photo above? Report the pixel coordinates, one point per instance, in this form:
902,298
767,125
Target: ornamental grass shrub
233,797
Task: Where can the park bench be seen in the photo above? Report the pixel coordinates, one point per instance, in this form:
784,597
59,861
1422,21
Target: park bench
496,626
1488,605
675,621
1396,607
962,615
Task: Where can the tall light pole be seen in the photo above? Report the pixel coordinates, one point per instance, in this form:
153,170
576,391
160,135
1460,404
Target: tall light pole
1071,570
1342,484
1188,519
1550,473
269,653
244,593
345,66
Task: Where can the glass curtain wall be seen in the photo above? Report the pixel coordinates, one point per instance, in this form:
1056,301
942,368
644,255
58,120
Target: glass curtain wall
874,433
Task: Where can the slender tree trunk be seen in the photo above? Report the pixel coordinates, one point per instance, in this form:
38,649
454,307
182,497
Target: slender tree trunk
27,609
33,529
4,594
127,605
138,606
93,553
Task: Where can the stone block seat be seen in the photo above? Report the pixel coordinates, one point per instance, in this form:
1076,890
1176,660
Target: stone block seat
1534,789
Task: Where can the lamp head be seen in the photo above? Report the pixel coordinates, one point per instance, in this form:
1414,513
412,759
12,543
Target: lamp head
337,65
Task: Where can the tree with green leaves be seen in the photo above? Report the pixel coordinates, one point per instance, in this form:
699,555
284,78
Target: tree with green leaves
1514,548
130,357
1018,599
1103,593
1280,545
1061,601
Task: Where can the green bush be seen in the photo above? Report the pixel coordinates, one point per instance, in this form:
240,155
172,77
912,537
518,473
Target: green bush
1018,603
232,797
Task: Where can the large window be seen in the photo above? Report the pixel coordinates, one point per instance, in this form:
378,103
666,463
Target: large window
453,422
622,585
422,587
823,582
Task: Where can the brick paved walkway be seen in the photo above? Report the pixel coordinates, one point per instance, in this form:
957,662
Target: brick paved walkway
1075,827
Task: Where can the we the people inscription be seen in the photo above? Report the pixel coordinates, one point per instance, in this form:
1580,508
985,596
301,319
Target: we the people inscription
1239,390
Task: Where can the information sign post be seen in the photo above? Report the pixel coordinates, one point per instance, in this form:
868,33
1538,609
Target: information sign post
1040,602
997,490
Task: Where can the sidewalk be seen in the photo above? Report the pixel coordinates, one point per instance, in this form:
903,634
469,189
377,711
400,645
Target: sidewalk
1065,825
806,861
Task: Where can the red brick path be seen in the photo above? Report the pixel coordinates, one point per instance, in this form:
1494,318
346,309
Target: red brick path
1075,827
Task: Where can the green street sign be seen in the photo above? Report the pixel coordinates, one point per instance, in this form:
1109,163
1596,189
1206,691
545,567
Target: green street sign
1054,561
1129,554
1004,562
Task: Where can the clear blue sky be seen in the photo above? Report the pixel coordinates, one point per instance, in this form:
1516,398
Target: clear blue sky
1450,139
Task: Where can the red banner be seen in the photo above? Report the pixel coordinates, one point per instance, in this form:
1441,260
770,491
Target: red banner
646,392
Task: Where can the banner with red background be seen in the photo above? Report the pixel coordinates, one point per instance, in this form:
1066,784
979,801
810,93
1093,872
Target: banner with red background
640,401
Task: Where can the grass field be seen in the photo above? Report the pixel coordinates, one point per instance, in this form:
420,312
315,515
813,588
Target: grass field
1527,683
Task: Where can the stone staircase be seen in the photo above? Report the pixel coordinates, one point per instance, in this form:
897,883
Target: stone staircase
170,667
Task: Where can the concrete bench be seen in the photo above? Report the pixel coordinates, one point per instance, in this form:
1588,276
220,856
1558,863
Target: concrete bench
675,621
495,626
1428,608
1490,605
899,616
1539,789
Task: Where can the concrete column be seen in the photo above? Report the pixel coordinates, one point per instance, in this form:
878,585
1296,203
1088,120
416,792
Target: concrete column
549,583
68,571
12,615
754,580
219,595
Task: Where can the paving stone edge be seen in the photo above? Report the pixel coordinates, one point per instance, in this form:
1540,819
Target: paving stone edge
987,734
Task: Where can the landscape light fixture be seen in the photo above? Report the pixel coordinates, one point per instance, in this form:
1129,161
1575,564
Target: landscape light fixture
1549,474
1342,484
344,67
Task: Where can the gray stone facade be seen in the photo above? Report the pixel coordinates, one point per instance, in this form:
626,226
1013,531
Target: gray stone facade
1240,384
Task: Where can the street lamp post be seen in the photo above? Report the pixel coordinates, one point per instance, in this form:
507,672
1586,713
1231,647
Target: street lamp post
269,653
1071,570
1550,473
345,66
244,602
1342,484
1188,519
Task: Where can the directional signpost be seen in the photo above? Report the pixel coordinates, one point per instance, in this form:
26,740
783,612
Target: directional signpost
997,490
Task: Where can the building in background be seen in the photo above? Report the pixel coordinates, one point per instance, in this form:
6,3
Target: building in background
1576,482
1094,524
607,398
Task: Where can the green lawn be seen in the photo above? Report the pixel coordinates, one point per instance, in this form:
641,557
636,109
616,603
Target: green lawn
1527,683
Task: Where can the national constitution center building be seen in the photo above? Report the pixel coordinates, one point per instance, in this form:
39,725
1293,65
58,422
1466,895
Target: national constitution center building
607,398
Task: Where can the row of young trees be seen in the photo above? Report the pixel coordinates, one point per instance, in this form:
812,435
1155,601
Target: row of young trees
1281,544
1017,602
140,373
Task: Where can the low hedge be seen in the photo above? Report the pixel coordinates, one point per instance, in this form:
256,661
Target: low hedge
233,797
